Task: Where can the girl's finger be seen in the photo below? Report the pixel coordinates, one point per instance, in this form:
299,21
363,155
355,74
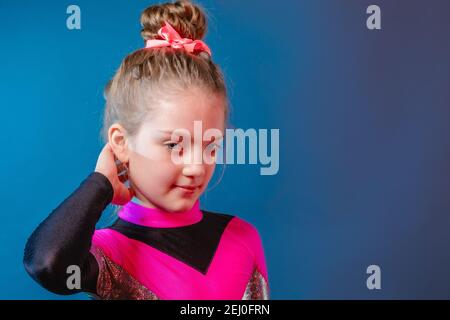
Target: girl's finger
107,152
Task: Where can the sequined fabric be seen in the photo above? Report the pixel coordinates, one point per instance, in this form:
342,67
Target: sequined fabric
114,283
257,287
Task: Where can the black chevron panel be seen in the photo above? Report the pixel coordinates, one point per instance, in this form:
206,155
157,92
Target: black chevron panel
194,244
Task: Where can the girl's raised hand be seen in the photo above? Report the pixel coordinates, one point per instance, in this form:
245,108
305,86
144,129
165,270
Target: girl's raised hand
116,172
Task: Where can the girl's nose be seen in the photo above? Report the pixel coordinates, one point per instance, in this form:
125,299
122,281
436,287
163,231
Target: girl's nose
194,170
193,162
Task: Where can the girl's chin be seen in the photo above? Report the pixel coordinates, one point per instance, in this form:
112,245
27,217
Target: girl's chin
183,204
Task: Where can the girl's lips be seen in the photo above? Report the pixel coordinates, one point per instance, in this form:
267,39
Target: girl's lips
188,188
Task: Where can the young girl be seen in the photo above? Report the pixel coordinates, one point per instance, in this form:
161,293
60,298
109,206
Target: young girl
162,246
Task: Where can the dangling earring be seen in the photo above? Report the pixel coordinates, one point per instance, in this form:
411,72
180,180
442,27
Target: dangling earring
127,169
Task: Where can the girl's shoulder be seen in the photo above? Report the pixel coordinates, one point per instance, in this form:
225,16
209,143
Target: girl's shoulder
241,229
238,222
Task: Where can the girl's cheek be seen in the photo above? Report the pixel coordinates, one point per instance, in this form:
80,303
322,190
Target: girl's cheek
153,153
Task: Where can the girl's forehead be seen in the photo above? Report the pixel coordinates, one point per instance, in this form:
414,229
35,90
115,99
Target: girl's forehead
187,113
197,127
165,124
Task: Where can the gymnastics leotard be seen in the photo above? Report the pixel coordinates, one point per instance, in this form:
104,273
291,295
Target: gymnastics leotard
147,253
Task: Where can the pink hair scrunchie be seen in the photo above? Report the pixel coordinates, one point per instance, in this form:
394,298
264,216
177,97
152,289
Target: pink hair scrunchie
171,38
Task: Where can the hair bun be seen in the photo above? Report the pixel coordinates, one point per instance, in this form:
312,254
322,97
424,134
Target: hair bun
188,20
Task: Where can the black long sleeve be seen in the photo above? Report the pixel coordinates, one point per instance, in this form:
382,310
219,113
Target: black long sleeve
64,238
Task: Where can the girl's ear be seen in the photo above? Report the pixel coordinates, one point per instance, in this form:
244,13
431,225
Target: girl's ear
117,138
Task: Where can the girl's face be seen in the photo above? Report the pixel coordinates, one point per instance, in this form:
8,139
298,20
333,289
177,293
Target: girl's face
154,175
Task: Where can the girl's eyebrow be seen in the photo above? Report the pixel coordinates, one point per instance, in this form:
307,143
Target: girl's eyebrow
165,133
170,131
217,138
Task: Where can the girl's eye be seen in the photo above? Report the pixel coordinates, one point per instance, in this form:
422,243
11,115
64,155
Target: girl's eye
172,146
213,146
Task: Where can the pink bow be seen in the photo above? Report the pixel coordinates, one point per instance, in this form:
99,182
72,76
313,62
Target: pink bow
173,39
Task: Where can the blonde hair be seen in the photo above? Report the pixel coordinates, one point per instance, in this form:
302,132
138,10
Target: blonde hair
148,75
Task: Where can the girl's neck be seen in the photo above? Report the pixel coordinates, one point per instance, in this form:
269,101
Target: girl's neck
135,212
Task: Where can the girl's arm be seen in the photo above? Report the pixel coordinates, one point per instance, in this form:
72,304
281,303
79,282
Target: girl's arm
63,239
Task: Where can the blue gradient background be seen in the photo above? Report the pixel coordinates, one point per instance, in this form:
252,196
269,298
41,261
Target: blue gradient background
364,135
